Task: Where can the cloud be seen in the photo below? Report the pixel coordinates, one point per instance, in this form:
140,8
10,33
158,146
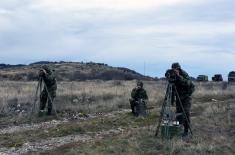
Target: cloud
189,29
118,5
120,32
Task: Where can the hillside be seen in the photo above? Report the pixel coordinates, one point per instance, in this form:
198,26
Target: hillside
70,71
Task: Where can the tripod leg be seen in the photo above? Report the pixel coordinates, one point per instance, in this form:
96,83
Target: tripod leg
35,97
162,110
184,113
160,119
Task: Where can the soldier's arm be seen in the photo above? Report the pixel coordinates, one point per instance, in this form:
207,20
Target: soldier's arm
184,78
146,95
143,94
133,93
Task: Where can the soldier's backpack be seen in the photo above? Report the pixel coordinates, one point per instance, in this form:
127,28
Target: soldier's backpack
191,88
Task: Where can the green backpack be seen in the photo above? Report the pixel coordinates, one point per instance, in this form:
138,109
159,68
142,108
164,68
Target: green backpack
191,88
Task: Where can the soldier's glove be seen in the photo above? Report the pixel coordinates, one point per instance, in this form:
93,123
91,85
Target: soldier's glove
177,72
42,73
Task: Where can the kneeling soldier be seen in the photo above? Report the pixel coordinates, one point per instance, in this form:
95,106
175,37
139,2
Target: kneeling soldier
138,95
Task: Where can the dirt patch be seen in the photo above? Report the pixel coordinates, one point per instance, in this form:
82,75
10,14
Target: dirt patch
46,145
27,127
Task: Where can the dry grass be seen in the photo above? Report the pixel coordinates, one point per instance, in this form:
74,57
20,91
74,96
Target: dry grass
98,96
213,105
213,135
88,97
212,90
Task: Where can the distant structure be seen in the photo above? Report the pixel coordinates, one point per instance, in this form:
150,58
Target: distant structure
202,78
217,78
231,76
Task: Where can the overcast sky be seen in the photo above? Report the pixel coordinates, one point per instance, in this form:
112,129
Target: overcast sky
199,34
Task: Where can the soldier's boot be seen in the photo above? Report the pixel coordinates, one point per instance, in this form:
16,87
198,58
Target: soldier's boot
186,129
40,113
49,111
133,110
186,124
185,134
42,107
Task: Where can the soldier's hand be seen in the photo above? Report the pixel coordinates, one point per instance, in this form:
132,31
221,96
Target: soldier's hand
177,72
42,72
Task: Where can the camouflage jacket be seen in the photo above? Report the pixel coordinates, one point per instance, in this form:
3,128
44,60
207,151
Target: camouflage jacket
184,85
137,94
50,81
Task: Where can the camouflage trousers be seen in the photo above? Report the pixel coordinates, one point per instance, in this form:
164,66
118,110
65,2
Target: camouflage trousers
44,99
133,106
186,105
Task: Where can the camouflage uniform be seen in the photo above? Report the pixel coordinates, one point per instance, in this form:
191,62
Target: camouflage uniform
50,87
185,88
137,94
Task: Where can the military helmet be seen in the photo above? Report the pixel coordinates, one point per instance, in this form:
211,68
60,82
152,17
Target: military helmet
175,65
140,83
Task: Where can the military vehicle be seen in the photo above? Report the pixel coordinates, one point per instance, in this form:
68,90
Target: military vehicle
231,76
217,78
202,78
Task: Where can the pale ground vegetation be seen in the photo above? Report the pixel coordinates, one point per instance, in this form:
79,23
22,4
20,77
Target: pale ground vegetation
88,97
96,112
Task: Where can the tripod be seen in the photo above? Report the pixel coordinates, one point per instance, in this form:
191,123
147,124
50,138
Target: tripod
167,116
41,83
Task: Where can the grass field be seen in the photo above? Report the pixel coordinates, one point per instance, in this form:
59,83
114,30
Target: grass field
94,118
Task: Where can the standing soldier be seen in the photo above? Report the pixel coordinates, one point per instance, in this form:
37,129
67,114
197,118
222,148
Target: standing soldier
185,88
137,94
49,91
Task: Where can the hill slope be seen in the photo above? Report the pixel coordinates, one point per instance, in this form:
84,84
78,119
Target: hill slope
70,71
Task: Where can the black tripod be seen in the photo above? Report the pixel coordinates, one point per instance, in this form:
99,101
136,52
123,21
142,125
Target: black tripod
35,106
167,116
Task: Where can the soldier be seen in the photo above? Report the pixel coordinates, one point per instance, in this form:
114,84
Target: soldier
47,75
185,88
137,94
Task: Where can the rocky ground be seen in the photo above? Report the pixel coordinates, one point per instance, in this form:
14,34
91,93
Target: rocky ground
121,133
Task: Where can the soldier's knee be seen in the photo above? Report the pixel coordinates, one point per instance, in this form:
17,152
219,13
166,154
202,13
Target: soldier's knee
43,98
52,94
